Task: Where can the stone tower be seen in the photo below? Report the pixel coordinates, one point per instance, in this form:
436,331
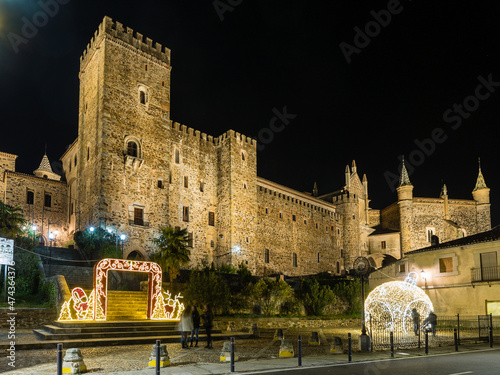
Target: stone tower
124,115
481,195
405,202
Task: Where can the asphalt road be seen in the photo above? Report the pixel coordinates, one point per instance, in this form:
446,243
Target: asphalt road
471,363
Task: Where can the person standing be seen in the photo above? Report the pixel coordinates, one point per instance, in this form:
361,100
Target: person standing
186,326
196,325
416,321
208,322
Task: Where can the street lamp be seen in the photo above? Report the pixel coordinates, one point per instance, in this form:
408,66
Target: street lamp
123,237
424,276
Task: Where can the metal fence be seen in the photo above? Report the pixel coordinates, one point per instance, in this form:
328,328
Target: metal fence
470,328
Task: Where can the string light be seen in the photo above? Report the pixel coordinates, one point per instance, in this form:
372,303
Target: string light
94,308
389,306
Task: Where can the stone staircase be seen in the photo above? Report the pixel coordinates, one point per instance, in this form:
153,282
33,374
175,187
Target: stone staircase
82,277
127,305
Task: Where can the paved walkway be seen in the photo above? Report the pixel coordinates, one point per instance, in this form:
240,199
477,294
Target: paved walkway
262,365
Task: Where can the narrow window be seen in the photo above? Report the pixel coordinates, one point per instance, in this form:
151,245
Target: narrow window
30,197
243,156
75,160
185,213
402,268
212,244
266,256
211,218
318,257
48,200
294,217
160,184
186,182
338,267
142,97
88,153
305,222
281,215
267,210
354,217
163,83
177,156
316,225
71,209
138,216
132,149
245,186
202,186
294,260
383,245
146,67
190,240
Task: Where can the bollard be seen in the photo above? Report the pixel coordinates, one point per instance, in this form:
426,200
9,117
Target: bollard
300,350
426,342
419,335
158,361
349,347
232,354
455,337
490,329
392,344
59,359
458,329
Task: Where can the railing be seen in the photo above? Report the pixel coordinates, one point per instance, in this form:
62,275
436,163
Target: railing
485,274
139,222
469,328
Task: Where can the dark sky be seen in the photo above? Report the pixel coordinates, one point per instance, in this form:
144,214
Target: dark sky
266,55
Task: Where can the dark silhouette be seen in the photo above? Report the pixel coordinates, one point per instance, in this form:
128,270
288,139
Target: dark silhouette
416,321
208,320
196,325
430,323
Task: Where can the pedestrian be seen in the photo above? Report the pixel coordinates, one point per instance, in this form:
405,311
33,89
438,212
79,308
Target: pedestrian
416,321
430,323
208,322
186,326
196,325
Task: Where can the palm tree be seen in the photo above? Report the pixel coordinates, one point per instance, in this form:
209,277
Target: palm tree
173,250
11,220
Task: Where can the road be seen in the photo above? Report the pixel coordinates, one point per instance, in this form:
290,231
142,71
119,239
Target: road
485,362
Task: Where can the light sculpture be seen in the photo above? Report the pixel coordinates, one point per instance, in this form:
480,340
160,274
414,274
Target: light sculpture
94,307
389,306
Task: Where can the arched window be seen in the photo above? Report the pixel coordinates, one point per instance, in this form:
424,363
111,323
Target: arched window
132,149
143,95
242,156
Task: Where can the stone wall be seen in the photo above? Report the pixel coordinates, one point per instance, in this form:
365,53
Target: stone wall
244,324
28,317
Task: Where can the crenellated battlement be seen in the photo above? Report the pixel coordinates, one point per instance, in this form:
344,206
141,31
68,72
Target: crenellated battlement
128,36
217,141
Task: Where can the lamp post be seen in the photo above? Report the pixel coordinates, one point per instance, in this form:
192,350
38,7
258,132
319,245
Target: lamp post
123,237
33,229
423,275
362,267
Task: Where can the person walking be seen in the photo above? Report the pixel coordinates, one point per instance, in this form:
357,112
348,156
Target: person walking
208,322
186,326
196,325
430,323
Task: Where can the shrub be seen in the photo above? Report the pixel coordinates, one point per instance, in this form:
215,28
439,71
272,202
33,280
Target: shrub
206,287
270,295
315,297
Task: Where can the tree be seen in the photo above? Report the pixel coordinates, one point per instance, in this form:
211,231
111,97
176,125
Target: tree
98,244
315,297
206,287
271,294
11,221
173,252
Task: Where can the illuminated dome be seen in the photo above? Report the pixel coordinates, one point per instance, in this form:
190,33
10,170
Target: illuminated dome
389,306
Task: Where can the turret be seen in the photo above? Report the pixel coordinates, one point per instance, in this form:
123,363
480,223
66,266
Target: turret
444,196
365,191
347,177
353,168
481,194
405,202
45,170
315,190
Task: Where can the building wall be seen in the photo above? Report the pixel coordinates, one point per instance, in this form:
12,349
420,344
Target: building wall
450,292
290,223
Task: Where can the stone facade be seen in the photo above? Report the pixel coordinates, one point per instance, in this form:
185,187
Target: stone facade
133,170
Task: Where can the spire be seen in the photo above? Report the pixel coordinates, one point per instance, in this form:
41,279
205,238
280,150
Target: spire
404,179
45,165
347,176
444,191
480,184
354,168
315,190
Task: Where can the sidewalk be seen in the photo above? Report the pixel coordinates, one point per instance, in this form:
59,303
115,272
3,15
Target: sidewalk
259,365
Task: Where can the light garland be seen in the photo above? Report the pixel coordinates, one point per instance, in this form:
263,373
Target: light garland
389,306
94,308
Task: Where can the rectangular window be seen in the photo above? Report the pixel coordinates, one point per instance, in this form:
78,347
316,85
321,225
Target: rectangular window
383,245
318,257
202,186
294,218
402,268
71,209
446,265
30,197
138,216
489,266
266,256
211,219
190,240
186,184
294,261
281,215
185,213
267,210
47,200
160,184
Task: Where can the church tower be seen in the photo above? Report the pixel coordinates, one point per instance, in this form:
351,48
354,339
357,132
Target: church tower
481,194
405,202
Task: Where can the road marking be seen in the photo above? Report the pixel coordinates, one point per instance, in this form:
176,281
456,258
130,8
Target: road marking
462,373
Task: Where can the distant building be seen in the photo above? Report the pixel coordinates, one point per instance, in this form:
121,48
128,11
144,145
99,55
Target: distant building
460,276
132,170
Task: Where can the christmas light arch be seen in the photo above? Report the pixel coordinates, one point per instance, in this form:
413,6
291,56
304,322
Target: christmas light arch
94,307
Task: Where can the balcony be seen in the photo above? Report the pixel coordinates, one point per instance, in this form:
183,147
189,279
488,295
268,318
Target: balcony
138,222
484,274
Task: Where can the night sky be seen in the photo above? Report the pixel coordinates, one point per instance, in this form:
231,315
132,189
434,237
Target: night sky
416,77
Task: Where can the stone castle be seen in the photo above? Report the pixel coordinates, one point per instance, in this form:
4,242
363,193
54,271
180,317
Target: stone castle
132,170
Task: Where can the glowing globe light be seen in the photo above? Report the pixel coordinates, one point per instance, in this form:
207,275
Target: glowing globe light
389,306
